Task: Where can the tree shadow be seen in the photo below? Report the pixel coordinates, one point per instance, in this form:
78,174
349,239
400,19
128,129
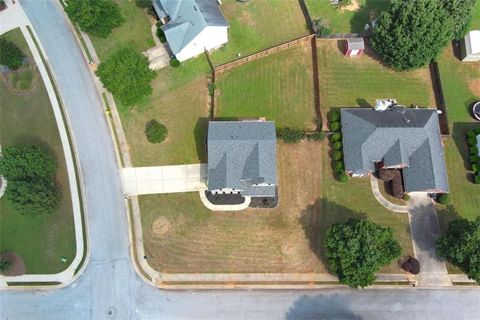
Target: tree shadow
318,217
200,134
445,216
459,132
456,49
321,307
363,103
341,45
366,13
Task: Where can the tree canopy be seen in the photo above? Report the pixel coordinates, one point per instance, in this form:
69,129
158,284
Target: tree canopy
359,248
126,75
95,17
10,55
461,246
155,131
413,33
30,172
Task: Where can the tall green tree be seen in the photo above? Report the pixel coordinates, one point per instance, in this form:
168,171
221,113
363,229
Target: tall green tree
95,17
412,33
126,74
359,248
33,197
10,55
461,246
26,162
460,12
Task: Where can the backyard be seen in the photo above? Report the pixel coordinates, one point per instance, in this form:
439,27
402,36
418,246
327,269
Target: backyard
181,235
27,118
278,87
349,82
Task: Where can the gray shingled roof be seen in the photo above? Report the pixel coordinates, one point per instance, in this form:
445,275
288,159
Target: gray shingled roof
187,19
398,136
242,156
355,43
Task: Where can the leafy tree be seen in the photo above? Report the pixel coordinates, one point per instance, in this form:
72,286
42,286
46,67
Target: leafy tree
126,74
476,179
460,12
10,55
26,162
461,246
32,197
359,248
155,131
95,17
290,135
412,33
443,199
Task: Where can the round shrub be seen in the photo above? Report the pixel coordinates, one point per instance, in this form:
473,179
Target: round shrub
174,63
406,197
333,116
10,55
476,179
474,158
471,134
443,199
474,150
337,145
335,126
337,136
342,177
290,135
475,167
472,141
337,155
155,131
476,130
338,166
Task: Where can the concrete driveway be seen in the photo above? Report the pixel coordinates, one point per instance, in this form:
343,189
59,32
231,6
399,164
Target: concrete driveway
164,179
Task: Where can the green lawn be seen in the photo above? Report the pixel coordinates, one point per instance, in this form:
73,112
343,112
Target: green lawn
342,20
27,118
278,87
257,25
346,82
476,17
134,32
461,87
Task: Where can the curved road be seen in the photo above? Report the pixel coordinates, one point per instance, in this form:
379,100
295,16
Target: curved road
109,287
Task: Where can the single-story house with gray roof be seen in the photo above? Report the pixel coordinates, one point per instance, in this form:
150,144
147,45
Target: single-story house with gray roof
396,138
192,26
242,158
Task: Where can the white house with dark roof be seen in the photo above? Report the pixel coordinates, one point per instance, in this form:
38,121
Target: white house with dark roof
242,158
401,138
192,26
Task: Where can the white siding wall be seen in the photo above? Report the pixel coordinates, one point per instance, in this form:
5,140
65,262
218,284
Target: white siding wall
210,38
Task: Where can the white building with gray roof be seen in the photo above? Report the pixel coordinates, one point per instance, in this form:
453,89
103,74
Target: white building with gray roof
192,26
242,158
397,138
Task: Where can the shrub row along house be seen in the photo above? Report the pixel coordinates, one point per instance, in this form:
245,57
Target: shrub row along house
192,26
398,138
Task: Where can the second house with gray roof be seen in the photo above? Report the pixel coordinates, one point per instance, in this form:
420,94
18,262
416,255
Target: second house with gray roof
192,26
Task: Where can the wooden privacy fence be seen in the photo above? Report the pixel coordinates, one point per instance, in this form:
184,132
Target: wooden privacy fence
229,65
439,98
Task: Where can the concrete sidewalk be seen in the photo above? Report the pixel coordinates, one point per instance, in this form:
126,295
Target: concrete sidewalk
381,199
164,179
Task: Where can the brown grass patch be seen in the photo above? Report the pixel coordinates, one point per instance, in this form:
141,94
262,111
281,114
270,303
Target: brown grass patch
474,86
354,6
161,228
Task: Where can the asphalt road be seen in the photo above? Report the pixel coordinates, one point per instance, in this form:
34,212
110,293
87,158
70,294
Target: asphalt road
110,289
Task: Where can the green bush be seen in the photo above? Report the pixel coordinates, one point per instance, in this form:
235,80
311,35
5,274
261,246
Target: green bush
475,167
33,197
338,166
160,33
155,131
317,136
337,155
335,126
174,63
10,55
95,17
334,137
476,179
474,158
477,131
406,197
472,141
357,249
290,135
474,150
471,134
333,116
443,199
126,74
342,177
337,145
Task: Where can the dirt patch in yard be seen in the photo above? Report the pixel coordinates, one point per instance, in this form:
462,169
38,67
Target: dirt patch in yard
354,6
474,86
162,228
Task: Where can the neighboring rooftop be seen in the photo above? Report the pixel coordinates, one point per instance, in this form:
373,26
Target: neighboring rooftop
242,156
399,136
187,19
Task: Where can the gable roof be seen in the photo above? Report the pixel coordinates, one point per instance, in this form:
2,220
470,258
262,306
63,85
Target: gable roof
355,43
242,156
472,42
396,136
187,19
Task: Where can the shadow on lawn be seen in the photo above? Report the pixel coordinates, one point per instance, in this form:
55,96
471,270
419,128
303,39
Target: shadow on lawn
318,217
459,131
367,12
446,215
200,134
321,307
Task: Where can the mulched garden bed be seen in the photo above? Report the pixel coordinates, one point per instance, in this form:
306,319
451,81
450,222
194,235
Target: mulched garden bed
220,199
